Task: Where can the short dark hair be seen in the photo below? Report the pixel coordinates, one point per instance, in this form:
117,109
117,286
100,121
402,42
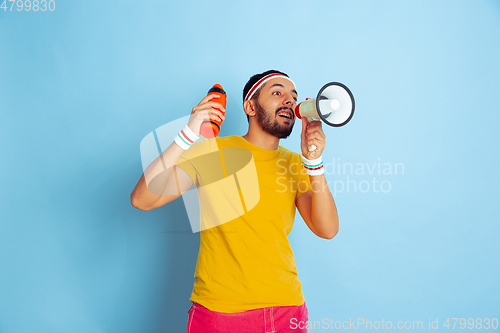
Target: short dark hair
254,79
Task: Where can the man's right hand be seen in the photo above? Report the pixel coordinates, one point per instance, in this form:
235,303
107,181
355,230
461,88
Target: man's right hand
205,110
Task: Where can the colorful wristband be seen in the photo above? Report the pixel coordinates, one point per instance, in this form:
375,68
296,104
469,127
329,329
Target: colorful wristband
313,167
185,138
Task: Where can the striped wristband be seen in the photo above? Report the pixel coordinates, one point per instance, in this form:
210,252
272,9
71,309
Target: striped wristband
313,167
185,138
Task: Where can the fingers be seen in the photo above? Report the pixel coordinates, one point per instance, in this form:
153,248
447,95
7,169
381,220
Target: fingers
216,115
315,127
213,114
208,110
313,134
208,114
208,98
201,115
214,105
316,142
213,110
207,106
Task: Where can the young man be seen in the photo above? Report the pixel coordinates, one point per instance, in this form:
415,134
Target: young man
246,278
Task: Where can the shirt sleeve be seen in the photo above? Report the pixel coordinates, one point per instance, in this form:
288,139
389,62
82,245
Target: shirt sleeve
187,167
192,160
187,161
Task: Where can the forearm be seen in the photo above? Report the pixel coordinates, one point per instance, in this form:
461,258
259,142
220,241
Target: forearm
157,180
160,184
323,210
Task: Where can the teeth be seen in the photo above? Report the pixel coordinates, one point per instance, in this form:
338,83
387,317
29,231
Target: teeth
285,114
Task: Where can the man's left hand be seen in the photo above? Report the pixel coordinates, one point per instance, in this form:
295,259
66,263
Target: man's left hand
312,134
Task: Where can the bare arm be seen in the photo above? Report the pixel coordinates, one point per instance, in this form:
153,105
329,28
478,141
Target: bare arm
162,181
318,209
158,185
317,206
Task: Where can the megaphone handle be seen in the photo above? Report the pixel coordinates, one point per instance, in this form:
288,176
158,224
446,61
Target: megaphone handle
311,147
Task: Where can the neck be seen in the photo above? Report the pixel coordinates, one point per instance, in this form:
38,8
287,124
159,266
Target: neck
258,137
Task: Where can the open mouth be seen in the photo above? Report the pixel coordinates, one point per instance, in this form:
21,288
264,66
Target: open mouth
285,114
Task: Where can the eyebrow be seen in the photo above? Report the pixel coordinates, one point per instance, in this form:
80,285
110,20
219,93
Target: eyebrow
282,86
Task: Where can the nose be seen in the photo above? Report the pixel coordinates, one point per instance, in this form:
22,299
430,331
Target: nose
288,100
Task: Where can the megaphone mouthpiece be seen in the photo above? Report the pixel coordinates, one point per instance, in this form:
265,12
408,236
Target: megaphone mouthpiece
297,111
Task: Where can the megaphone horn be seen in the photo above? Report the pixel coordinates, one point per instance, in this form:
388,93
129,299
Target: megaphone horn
334,105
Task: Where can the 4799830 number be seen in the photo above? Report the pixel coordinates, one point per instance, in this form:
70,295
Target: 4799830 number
471,323
28,5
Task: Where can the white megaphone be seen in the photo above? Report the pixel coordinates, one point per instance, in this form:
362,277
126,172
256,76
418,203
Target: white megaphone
334,105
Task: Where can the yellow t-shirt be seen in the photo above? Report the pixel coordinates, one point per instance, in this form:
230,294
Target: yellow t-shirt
247,207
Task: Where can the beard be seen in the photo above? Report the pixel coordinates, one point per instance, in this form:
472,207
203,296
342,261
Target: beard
273,127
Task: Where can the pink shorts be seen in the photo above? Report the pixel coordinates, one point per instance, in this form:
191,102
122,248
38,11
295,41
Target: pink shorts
279,319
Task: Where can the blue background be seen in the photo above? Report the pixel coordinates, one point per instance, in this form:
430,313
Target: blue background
82,85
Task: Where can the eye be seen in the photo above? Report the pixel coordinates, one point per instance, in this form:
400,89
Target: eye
277,93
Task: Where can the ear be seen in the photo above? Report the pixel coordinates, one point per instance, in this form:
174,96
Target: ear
249,108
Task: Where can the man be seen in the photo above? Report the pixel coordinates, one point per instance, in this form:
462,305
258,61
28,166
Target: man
246,279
